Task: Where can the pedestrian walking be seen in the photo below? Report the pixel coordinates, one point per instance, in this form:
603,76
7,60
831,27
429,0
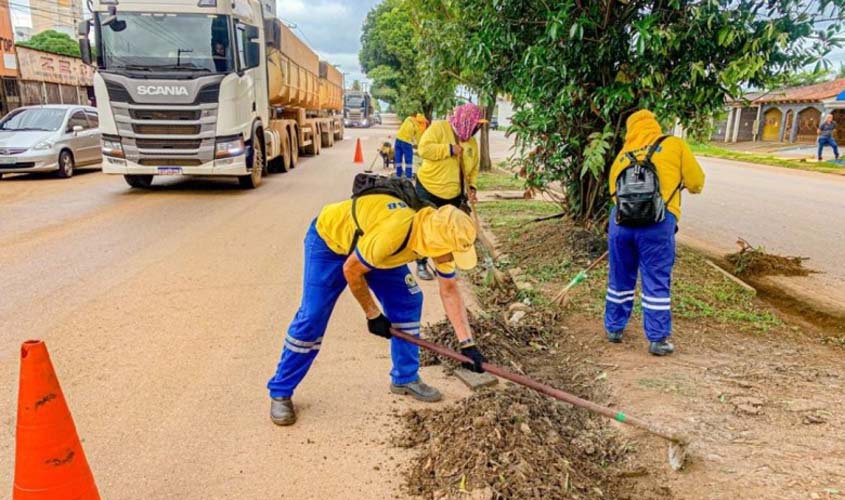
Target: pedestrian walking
406,139
450,163
646,181
367,244
826,131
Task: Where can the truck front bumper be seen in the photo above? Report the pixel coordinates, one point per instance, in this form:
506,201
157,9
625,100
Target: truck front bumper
228,167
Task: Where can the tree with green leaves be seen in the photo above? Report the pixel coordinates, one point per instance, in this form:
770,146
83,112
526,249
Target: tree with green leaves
577,69
54,42
356,85
390,57
447,37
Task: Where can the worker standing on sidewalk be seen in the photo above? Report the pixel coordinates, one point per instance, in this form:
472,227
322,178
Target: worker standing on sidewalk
646,181
450,163
408,136
825,132
369,250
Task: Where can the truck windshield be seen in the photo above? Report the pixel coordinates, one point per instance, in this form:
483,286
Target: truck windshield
354,102
167,42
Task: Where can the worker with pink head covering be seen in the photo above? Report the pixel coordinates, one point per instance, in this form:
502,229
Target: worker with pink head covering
450,157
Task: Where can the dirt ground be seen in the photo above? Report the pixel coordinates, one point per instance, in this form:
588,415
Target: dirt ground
758,391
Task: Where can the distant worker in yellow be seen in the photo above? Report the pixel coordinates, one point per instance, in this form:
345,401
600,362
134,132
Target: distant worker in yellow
450,163
408,136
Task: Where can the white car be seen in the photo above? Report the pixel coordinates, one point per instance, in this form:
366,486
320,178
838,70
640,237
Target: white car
51,138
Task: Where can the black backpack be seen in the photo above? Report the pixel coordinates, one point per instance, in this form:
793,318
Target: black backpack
638,198
403,189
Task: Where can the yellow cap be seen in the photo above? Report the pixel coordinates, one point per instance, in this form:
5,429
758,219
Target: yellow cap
444,231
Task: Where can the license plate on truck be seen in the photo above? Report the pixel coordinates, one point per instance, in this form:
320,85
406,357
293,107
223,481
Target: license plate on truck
169,170
7,161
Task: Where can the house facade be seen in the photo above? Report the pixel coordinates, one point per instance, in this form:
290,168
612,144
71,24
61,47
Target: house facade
787,115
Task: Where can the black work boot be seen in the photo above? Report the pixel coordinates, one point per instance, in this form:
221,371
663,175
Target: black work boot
661,348
614,337
419,390
282,412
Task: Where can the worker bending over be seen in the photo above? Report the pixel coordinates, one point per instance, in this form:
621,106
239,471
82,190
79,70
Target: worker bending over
408,136
643,227
391,235
450,163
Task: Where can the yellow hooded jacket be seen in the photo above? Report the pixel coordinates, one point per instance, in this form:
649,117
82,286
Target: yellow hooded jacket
440,172
410,131
673,160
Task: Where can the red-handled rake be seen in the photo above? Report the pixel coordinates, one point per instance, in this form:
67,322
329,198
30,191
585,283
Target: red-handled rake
677,443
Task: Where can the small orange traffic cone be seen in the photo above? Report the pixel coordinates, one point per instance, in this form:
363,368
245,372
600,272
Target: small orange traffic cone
49,461
359,153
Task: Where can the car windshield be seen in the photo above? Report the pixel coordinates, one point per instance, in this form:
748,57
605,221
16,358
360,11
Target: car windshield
33,119
167,42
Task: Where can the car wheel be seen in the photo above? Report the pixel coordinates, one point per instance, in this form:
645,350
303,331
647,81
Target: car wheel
65,165
253,180
139,181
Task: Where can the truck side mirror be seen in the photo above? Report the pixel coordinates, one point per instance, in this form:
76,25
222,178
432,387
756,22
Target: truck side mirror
253,54
83,29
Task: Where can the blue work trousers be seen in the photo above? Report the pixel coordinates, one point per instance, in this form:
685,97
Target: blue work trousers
404,155
828,141
650,252
400,297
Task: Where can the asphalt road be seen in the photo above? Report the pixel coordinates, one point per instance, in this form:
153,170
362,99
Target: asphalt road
789,212
164,312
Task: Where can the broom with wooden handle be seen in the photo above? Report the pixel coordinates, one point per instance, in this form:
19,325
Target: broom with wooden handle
562,298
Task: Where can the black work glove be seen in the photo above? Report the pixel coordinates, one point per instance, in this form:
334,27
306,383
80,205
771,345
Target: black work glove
471,351
380,326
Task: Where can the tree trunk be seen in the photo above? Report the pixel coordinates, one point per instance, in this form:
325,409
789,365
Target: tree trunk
489,109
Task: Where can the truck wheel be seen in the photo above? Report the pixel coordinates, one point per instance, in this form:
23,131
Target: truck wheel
294,150
253,180
313,149
338,135
329,140
66,164
139,181
318,144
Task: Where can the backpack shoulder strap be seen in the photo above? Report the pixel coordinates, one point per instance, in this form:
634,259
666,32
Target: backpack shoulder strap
358,231
404,244
653,148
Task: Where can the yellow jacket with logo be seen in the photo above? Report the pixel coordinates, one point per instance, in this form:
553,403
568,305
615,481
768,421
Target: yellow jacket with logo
387,223
440,173
410,131
673,160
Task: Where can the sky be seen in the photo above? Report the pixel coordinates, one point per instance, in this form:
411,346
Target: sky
332,28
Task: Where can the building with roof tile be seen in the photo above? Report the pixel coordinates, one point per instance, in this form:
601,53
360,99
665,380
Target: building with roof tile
784,115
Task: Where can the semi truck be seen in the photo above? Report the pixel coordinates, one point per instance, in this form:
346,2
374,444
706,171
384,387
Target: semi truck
358,109
207,88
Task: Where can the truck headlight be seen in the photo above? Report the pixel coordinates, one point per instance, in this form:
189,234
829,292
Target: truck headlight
113,147
43,145
228,147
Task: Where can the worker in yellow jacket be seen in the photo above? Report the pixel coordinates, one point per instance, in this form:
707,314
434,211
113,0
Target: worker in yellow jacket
408,136
450,157
646,181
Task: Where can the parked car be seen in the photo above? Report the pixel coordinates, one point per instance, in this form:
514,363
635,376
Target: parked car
494,123
52,138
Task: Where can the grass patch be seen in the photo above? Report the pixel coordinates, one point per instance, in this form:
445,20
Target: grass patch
499,180
550,253
764,159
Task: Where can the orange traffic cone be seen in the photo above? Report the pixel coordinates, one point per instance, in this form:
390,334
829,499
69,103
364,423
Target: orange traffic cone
359,153
49,461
